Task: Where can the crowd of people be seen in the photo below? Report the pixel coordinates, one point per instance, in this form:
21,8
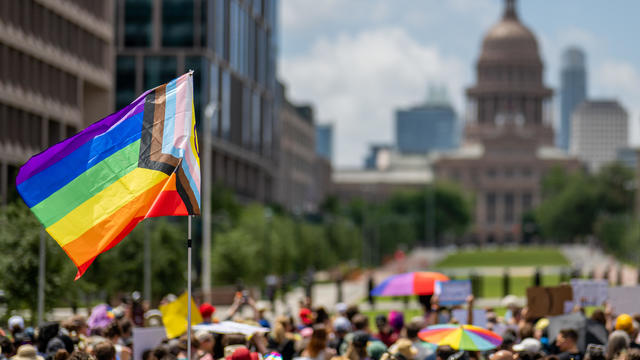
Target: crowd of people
316,333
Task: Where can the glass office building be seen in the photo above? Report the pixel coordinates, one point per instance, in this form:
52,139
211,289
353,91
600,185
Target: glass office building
426,128
232,46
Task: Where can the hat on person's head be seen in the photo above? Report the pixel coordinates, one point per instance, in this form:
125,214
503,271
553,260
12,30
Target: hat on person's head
624,322
341,308
341,324
396,320
206,310
375,349
305,316
27,352
405,348
528,344
16,321
541,324
240,353
509,301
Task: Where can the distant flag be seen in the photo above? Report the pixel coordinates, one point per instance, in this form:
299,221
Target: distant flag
91,190
174,316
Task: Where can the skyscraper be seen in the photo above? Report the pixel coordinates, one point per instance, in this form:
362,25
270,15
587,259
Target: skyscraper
231,45
427,127
56,76
573,91
598,129
324,141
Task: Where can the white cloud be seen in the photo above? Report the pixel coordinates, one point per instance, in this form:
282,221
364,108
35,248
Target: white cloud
357,81
621,80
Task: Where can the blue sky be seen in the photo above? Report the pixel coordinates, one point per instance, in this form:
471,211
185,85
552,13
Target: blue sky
357,61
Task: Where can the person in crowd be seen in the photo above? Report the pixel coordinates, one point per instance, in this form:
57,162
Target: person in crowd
567,343
443,352
205,351
385,331
412,330
15,325
617,344
27,352
375,349
341,327
206,311
317,348
104,351
281,339
632,354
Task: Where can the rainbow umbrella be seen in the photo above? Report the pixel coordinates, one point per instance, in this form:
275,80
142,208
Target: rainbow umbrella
461,337
411,283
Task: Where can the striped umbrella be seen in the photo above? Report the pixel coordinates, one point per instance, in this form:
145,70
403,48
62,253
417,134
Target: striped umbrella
461,337
411,283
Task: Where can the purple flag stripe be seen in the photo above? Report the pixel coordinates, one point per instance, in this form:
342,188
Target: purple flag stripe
50,156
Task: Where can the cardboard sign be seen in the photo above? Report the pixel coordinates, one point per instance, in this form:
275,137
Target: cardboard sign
589,292
145,339
453,292
547,301
624,299
479,316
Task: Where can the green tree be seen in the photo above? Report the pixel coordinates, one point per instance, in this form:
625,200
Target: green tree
19,263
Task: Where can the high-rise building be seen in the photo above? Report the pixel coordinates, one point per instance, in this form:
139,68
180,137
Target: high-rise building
427,127
56,76
508,144
297,156
324,141
573,91
231,45
598,129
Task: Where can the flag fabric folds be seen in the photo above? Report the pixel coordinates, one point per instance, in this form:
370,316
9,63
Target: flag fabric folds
91,190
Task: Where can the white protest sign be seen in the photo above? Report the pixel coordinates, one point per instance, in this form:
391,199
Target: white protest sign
624,299
479,316
589,292
453,292
145,339
230,327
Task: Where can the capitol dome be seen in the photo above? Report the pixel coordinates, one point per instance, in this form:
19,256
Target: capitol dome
509,40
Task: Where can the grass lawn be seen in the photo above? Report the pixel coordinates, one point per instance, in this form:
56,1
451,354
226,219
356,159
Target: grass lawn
511,257
492,285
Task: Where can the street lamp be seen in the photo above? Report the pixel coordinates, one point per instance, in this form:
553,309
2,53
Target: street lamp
209,113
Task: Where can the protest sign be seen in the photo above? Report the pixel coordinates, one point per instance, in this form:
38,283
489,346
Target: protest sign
479,316
589,292
545,301
624,299
231,327
145,339
453,292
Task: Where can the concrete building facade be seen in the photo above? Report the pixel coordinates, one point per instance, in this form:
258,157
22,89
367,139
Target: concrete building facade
297,157
573,91
56,76
598,129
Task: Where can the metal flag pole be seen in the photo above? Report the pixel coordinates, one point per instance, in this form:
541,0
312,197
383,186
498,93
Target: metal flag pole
41,275
189,289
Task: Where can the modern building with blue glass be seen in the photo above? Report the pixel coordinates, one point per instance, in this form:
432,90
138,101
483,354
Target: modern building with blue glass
324,141
573,91
425,128
232,46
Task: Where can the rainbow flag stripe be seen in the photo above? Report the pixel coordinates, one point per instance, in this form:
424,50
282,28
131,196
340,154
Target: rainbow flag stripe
91,190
